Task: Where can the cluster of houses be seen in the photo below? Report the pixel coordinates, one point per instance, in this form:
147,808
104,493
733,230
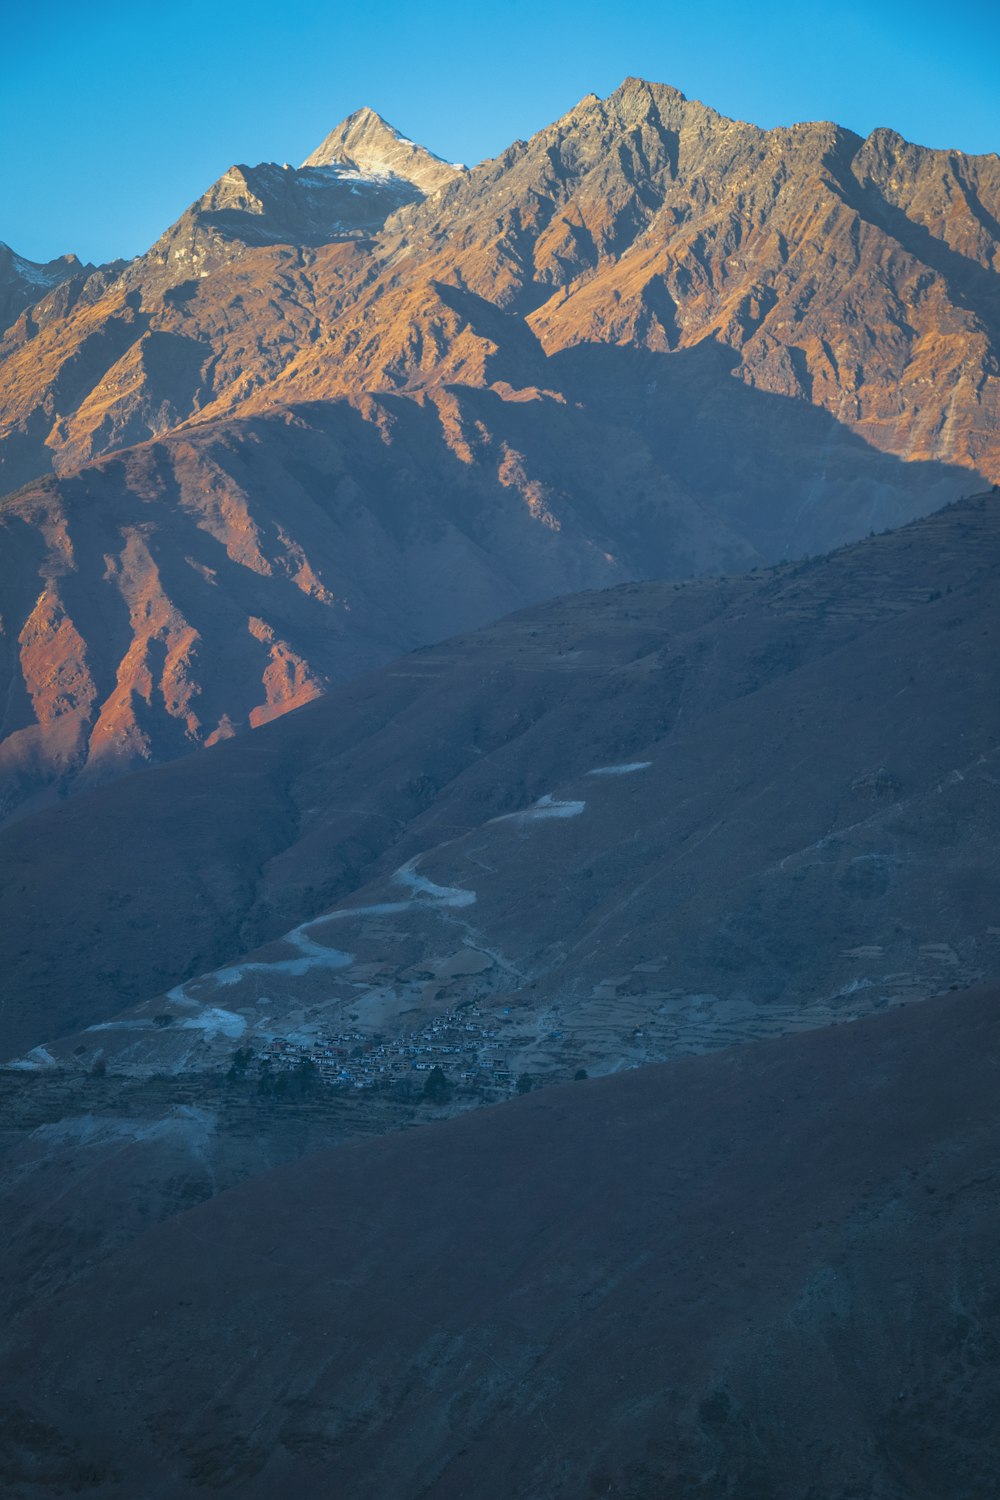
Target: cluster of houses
460,1043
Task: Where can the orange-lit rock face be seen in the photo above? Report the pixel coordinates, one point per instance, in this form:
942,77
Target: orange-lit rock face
858,275
287,679
356,423
54,662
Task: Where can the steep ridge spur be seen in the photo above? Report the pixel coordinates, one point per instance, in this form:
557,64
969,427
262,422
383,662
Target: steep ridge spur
517,383
808,864
771,1271
25,282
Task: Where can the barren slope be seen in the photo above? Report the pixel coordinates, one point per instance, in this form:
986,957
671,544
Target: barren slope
763,860
767,1272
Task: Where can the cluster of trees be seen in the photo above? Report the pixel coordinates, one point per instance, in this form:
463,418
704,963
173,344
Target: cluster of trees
438,1090
304,1080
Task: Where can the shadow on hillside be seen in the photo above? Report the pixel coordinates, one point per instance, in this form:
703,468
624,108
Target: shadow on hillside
780,476
784,474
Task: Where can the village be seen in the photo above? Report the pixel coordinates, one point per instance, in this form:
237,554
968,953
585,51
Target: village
466,1047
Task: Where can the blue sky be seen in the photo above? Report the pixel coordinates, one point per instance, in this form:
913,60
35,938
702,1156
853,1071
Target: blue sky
115,116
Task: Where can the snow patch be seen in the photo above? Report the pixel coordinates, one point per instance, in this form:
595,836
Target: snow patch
216,1022
37,1059
314,956
854,986
136,1024
35,275
378,173
546,807
626,768
376,909
440,895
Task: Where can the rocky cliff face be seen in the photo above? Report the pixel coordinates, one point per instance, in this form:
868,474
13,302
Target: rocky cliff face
378,398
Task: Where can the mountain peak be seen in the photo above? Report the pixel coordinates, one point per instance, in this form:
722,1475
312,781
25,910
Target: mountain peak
371,146
636,98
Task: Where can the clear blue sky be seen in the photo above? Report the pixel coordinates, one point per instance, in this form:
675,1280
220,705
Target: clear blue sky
116,115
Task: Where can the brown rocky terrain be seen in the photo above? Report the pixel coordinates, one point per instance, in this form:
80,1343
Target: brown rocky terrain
757,869
769,1272
648,341
859,275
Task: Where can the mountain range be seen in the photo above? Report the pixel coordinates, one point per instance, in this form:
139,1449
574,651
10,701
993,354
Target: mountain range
346,409
499,950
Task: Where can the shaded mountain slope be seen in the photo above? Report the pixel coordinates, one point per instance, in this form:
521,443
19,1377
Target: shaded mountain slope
163,600
808,865
770,1271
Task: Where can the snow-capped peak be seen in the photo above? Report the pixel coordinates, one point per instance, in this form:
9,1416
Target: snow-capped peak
374,148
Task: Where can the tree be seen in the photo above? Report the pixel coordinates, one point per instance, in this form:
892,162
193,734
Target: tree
305,1080
436,1086
525,1083
579,1075
242,1058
